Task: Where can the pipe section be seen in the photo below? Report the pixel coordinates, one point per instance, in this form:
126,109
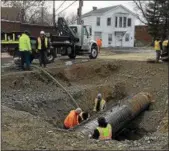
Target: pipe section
119,116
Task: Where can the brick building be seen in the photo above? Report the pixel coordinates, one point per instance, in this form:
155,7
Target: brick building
142,35
11,26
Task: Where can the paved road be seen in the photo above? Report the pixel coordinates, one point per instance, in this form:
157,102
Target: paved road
6,59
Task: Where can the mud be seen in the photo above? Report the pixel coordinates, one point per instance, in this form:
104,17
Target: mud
32,102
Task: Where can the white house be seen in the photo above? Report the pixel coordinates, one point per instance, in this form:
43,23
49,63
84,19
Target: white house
114,25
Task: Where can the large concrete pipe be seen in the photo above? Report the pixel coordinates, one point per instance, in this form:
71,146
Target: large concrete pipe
119,116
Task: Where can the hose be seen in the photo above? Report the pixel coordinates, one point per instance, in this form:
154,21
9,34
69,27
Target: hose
57,82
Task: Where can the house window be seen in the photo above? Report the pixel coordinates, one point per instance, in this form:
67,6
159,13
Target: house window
124,23
120,22
108,21
116,22
129,22
109,38
98,21
127,37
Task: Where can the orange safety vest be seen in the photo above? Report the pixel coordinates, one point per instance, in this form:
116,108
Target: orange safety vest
99,42
71,120
105,133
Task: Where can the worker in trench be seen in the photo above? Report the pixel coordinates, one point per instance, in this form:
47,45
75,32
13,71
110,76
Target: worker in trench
25,50
75,117
42,45
72,119
103,131
100,103
158,48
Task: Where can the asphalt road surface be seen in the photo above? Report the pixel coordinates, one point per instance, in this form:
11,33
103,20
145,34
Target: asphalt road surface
6,59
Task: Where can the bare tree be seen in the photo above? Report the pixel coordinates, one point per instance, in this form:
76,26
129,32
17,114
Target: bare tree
28,9
72,18
140,10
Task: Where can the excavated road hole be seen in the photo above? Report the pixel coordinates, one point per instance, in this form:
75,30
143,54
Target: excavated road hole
41,97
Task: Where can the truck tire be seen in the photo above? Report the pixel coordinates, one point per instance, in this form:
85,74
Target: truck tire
94,52
72,56
50,56
16,56
72,51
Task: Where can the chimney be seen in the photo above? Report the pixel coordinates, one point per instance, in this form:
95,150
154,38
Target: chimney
94,8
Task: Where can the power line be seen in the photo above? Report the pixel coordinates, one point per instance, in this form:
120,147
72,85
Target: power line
67,7
60,5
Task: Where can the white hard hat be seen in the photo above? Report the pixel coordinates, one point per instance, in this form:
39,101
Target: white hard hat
42,32
99,95
78,110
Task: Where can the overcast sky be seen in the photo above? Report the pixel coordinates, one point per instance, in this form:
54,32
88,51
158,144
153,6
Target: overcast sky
87,6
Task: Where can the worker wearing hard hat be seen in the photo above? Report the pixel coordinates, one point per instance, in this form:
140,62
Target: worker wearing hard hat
157,48
42,46
25,50
165,45
103,131
72,119
100,103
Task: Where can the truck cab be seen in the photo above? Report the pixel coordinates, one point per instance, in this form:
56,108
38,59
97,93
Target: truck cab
74,40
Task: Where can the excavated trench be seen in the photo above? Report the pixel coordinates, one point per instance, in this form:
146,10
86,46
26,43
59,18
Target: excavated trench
35,93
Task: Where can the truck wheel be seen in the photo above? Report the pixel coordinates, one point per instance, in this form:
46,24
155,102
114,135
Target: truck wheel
16,56
72,56
71,53
94,52
50,56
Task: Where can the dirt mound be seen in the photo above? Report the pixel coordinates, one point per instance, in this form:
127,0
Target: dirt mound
78,72
37,94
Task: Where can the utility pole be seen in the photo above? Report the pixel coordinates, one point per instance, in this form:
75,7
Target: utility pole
54,13
42,15
79,12
22,16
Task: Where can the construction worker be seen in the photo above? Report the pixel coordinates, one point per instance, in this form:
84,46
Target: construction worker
157,47
83,116
103,131
99,43
165,45
100,103
25,50
72,119
42,45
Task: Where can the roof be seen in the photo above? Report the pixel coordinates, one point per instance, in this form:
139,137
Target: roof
104,10
99,11
10,13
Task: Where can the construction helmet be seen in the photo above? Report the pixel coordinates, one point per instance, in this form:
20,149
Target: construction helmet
42,32
78,110
99,95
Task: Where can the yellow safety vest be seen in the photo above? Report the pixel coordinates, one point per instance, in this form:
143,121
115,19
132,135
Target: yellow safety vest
24,43
102,104
39,43
105,133
165,43
157,45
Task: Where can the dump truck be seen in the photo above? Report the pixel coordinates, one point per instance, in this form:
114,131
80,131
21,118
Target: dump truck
10,43
68,41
